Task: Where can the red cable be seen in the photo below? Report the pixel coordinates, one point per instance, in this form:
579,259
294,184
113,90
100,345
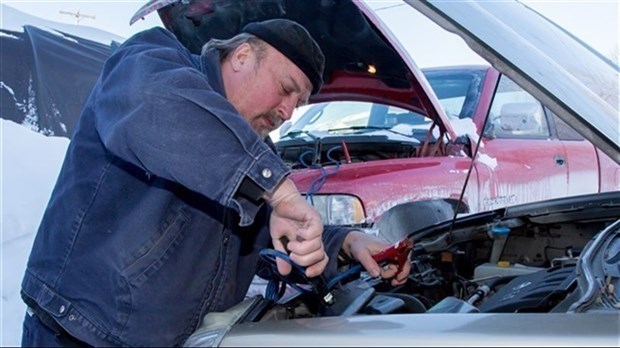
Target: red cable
346,152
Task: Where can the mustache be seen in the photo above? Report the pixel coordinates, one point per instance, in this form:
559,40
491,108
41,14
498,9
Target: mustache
274,118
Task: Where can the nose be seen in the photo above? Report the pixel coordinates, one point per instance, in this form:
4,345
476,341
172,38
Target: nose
286,108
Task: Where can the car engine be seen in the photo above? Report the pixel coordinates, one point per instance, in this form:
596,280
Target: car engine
491,263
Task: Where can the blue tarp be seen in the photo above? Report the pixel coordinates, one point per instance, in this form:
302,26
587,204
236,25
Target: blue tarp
46,77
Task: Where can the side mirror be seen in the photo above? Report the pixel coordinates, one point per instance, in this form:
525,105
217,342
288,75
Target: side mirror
489,131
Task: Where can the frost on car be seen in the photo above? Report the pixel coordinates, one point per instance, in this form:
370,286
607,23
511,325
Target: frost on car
399,169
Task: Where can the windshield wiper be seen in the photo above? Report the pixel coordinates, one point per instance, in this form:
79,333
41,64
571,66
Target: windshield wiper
371,128
293,134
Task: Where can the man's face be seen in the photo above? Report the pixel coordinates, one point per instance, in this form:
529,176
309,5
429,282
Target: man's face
266,92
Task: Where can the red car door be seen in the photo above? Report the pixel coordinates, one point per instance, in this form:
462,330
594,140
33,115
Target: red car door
519,161
582,160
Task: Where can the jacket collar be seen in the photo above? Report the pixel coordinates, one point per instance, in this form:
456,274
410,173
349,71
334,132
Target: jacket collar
210,66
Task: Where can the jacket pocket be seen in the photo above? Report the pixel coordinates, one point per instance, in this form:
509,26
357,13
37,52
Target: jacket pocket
161,248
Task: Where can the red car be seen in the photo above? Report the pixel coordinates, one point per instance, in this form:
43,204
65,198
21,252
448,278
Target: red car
378,165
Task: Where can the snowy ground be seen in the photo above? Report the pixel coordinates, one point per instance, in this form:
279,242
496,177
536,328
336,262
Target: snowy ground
30,165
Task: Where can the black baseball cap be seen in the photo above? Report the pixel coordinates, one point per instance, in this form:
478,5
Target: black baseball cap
294,42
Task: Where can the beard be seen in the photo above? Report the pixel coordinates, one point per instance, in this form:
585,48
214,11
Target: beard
274,121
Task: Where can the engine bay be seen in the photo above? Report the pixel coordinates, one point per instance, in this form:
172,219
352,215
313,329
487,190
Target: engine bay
470,269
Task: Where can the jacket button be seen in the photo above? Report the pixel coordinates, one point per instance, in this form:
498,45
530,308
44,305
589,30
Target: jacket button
61,309
266,173
71,317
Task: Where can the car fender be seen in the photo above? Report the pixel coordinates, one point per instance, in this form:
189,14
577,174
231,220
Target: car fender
403,219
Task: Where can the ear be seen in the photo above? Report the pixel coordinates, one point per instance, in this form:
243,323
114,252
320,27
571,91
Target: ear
241,56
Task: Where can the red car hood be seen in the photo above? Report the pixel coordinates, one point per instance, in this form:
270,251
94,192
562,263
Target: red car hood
364,61
365,181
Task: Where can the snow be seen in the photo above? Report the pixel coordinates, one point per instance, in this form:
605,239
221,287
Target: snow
465,126
486,159
3,85
14,20
8,35
30,165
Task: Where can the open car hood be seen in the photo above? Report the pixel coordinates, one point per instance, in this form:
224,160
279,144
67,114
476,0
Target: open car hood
572,79
364,61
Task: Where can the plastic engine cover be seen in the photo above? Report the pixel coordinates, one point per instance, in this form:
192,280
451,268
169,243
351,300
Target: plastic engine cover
536,292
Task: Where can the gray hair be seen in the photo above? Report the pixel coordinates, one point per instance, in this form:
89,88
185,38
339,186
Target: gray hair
225,47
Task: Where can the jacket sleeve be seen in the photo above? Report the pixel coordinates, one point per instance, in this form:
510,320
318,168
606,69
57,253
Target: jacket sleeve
333,238
155,109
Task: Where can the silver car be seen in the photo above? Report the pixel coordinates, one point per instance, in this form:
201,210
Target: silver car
544,273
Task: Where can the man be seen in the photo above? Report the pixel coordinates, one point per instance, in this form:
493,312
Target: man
159,211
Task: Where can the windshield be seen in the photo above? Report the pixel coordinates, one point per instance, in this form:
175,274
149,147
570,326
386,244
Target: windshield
340,116
458,91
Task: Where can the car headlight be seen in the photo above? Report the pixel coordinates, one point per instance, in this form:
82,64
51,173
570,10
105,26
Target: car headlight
338,209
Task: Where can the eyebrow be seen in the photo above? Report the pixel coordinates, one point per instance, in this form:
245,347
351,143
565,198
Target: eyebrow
296,87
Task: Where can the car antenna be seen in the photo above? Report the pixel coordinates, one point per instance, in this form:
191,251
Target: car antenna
471,166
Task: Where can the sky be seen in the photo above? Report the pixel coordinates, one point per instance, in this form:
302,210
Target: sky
30,167
593,21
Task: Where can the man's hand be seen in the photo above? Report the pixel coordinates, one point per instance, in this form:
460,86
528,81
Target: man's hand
296,220
361,246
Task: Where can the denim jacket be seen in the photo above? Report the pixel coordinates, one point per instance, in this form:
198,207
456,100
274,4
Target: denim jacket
147,228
